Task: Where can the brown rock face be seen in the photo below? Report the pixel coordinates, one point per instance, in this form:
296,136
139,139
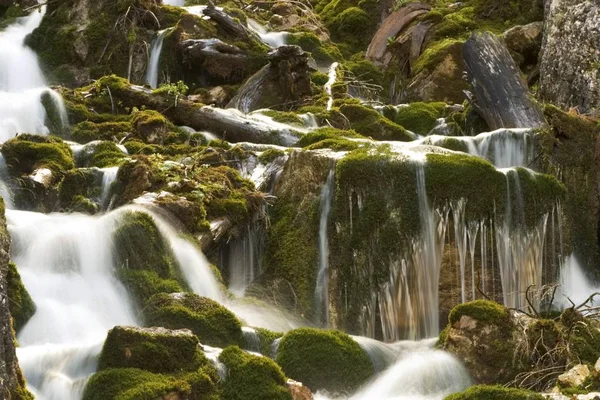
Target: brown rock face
570,66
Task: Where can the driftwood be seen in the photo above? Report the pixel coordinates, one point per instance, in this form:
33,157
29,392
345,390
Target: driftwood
501,97
418,38
393,25
230,125
229,24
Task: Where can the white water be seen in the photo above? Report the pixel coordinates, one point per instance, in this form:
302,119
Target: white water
574,284
22,83
330,82
272,39
176,3
322,285
415,372
66,263
109,175
154,62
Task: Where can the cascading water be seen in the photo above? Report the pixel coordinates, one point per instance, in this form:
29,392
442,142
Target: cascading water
66,263
176,3
330,82
322,285
154,62
272,39
109,175
22,85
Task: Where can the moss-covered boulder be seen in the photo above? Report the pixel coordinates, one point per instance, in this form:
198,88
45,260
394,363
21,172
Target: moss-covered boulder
135,384
252,377
326,360
77,189
211,322
485,336
134,177
100,154
27,153
419,117
497,392
157,350
369,122
150,126
21,305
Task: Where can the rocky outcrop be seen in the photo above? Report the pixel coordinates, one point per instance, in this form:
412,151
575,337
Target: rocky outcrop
575,377
525,42
284,81
12,384
570,66
501,95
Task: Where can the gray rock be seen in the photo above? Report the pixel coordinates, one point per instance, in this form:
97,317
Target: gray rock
575,376
570,65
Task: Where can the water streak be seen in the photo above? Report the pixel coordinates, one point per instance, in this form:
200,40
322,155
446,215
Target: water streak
154,62
322,285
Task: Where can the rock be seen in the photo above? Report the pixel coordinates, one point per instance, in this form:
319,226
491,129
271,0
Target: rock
298,390
525,42
570,62
283,8
150,126
597,366
187,212
157,350
575,377
284,81
42,176
501,96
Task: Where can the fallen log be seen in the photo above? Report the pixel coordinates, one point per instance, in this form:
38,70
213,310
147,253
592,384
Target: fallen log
502,98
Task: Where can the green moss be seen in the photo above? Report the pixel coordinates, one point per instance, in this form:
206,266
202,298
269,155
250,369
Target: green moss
584,342
135,384
284,117
319,78
210,321
252,377
26,153
20,304
335,145
420,118
369,122
365,71
267,338
321,134
497,392
154,350
84,205
136,231
87,131
142,285
483,311
436,53
270,155
324,360
76,185
107,154
324,53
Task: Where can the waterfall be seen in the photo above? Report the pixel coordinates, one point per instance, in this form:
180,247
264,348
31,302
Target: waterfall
109,175
322,285
176,3
22,84
154,63
330,82
574,284
408,303
243,256
5,190
66,263
272,39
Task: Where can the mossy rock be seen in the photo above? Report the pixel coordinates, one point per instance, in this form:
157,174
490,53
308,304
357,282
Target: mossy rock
150,126
20,304
87,131
269,155
325,133
252,377
326,360
496,392
369,122
101,155
157,350
267,338
134,178
135,231
584,342
323,53
484,311
76,189
420,118
26,153
211,322
135,384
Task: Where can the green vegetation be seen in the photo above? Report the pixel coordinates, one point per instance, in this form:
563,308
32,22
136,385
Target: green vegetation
267,338
483,311
497,392
323,53
420,118
252,377
369,122
156,350
26,153
210,321
270,155
20,303
324,360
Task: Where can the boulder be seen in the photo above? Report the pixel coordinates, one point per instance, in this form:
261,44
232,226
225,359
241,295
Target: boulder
570,62
575,377
525,42
298,390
